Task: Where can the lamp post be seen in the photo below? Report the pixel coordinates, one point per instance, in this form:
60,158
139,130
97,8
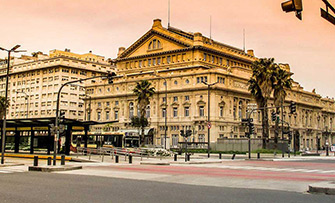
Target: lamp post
14,49
165,125
57,109
209,114
27,98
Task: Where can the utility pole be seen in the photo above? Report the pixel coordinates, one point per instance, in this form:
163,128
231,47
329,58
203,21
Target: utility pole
208,119
3,138
110,77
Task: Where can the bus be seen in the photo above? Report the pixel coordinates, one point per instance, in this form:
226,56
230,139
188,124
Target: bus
105,139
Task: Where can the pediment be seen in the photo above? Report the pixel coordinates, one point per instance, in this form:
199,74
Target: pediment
141,46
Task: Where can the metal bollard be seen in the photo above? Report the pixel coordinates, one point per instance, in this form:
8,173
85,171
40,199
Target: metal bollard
49,161
130,159
233,157
116,158
188,157
175,157
62,160
327,151
35,160
258,155
220,156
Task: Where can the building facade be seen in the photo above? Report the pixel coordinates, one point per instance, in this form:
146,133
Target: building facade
35,80
180,62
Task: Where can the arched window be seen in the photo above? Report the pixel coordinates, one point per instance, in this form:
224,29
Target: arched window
147,112
154,44
131,109
240,109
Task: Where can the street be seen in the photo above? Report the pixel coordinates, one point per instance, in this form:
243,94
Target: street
50,187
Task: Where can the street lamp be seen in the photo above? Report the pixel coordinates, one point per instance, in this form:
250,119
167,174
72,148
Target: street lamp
165,128
57,108
209,113
27,98
14,49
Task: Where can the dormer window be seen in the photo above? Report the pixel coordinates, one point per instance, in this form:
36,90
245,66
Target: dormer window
154,44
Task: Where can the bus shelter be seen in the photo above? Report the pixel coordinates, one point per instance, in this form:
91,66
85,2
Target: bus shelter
36,133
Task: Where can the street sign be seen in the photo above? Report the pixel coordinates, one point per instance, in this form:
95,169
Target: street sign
332,148
209,125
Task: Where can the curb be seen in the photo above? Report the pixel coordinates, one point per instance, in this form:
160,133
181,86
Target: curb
154,163
28,156
322,187
196,162
11,164
53,168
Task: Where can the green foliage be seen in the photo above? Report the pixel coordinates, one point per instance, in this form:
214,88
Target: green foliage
267,78
144,92
139,122
3,105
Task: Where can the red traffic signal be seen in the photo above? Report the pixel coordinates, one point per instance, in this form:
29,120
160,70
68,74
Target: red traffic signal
293,5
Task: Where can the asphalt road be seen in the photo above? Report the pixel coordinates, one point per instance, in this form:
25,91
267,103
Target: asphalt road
50,187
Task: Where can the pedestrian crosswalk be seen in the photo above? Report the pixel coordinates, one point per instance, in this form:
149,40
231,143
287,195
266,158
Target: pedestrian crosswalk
302,170
13,169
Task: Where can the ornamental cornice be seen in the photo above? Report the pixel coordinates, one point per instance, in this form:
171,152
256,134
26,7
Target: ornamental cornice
145,37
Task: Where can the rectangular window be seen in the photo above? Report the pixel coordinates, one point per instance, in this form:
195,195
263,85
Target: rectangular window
107,115
168,59
163,112
205,57
107,103
99,116
153,61
140,64
164,99
116,115
221,111
158,61
175,112
116,103
175,140
187,98
175,99
149,62
201,111
187,111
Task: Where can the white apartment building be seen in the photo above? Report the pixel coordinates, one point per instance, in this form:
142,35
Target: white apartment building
35,80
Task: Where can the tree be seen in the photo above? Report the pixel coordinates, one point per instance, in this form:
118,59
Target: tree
144,92
3,105
283,82
261,87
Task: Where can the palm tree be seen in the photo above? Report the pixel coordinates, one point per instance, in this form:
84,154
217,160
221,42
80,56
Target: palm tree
3,105
283,82
261,87
144,92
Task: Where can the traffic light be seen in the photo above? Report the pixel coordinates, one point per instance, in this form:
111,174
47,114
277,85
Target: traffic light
293,107
273,116
182,133
61,116
289,137
188,133
293,5
252,128
110,77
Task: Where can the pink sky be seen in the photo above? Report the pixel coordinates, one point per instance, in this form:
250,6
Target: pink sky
104,25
